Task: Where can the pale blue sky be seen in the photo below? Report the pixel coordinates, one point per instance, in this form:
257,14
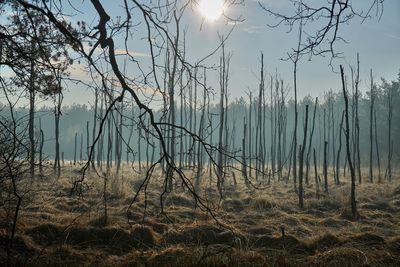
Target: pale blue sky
378,43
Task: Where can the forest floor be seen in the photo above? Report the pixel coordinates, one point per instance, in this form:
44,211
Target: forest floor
56,228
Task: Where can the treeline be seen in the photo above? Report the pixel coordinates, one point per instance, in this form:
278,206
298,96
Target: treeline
268,125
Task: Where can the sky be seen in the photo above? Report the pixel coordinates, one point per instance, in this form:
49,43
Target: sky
377,42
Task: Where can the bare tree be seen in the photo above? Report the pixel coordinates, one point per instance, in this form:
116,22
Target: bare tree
339,150
325,167
347,135
58,98
389,93
310,140
378,159
322,22
301,161
371,118
14,166
224,75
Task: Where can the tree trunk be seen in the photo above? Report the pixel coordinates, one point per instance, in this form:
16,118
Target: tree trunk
357,122
339,150
388,174
326,167
301,161
100,145
296,60
76,141
224,70
250,136
310,141
377,150
316,174
81,149
87,142
244,165
347,134
57,114
201,135
371,137
96,101
41,148
31,129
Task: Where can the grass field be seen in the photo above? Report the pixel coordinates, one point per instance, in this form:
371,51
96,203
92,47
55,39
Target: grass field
261,227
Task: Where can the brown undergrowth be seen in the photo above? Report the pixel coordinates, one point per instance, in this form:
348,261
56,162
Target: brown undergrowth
255,227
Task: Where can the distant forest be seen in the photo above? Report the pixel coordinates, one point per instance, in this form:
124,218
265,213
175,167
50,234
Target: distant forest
76,126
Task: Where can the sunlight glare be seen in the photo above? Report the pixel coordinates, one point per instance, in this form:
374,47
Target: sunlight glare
211,9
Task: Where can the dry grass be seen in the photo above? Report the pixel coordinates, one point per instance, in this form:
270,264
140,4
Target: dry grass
57,229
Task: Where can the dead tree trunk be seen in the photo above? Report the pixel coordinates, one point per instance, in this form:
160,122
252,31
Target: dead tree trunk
339,150
81,149
310,140
172,116
280,129
244,165
326,166
120,136
250,136
388,174
140,149
316,174
96,103
378,159
41,148
76,141
272,146
201,135
100,145
128,146
333,142
31,129
357,122
259,120
57,114
301,161
87,141
295,62
224,71
371,137
347,135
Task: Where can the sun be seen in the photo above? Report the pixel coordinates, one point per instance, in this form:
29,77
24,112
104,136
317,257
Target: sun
211,9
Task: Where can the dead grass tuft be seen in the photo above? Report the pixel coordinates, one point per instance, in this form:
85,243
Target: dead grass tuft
261,204
71,205
46,234
325,204
21,244
179,200
333,222
323,242
261,230
381,204
288,243
143,236
396,191
394,245
63,256
167,257
202,234
232,205
343,256
368,239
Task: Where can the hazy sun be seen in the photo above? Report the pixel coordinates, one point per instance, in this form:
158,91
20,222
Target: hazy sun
211,9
